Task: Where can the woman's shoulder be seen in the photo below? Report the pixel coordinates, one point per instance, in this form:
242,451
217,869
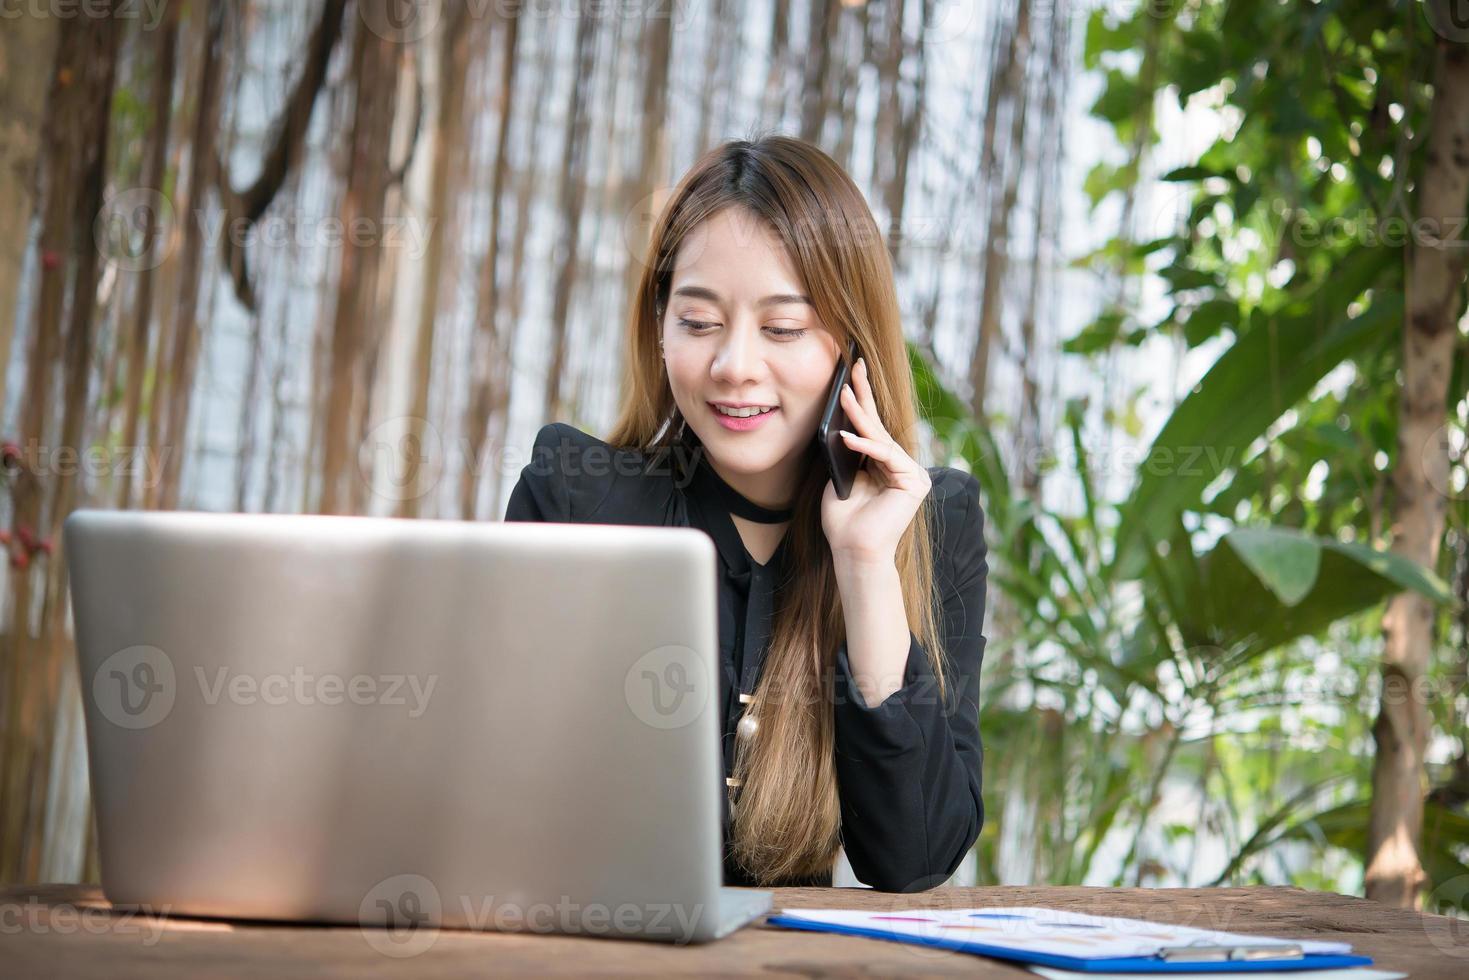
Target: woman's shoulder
563,441
955,492
573,476
958,525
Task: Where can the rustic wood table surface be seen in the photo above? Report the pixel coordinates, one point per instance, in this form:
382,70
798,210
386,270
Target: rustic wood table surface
70,931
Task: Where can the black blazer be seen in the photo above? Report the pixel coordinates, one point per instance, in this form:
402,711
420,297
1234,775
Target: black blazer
909,769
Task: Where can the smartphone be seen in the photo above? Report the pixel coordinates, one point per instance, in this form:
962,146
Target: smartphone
841,459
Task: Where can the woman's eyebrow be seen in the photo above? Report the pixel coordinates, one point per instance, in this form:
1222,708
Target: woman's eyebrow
703,292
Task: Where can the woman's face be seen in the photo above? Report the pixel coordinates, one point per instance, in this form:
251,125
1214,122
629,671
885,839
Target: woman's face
739,333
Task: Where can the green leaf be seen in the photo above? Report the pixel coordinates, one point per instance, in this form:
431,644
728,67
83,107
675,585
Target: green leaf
1444,832
1099,335
1207,319
1255,618
1119,99
1101,37
1268,370
1397,569
1182,277
1245,196
1197,64
1182,174
1104,178
1143,249
1290,118
1286,561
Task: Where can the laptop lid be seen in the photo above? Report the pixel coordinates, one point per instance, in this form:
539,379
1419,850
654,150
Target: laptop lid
372,719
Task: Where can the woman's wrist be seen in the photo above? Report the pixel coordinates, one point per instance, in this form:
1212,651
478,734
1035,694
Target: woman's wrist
855,563
876,623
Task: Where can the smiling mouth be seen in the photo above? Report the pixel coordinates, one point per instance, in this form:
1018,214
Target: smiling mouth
741,413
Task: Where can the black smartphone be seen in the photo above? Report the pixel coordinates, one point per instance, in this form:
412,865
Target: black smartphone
841,459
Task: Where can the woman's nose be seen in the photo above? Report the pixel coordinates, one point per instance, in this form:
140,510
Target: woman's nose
739,357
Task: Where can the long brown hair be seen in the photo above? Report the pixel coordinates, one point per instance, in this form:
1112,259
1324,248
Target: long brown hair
787,821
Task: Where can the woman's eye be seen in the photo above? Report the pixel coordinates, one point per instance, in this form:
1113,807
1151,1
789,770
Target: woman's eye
782,333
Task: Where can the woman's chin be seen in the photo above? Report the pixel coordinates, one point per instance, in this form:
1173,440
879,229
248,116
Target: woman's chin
738,452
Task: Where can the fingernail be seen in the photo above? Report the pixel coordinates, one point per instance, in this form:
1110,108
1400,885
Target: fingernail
846,433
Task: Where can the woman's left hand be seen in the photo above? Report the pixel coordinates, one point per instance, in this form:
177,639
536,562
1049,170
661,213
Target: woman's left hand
889,488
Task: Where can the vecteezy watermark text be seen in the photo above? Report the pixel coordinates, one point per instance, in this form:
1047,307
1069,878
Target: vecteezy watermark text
136,688
64,918
301,687
150,12
91,461
400,916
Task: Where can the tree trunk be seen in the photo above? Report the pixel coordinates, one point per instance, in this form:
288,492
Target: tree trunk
76,127
1435,277
490,349
376,66
27,53
718,43
526,189
399,151
889,110
183,358
193,33
570,199
652,163
816,87
777,65
1054,82
152,179
447,141
1015,81
81,336
853,38
288,137
907,129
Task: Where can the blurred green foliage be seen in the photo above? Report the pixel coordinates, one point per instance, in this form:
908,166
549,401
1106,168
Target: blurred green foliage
1207,645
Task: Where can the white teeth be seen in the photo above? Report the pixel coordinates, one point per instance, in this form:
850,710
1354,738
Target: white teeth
741,413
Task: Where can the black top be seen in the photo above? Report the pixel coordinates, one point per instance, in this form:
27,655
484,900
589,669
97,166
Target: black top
908,770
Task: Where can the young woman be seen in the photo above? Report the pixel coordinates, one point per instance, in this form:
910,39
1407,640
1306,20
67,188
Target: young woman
850,630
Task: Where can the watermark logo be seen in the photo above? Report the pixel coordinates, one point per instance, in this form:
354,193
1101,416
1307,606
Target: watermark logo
639,221
1449,933
129,227
405,458
305,688
135,688
400,21
402,458
397,917
148,12
401,916
941,437
926,918
1442,444
1448,18
665,687
38,917
951,22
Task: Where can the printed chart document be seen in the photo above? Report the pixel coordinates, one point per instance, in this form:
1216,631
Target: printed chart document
1344,973
1077,941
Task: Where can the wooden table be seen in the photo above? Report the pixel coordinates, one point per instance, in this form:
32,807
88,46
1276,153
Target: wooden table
70,931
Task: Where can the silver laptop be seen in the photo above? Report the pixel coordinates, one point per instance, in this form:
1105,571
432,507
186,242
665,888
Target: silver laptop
405,723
